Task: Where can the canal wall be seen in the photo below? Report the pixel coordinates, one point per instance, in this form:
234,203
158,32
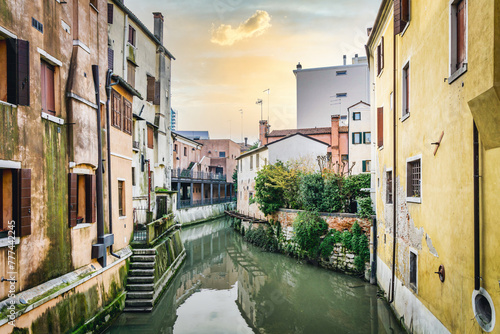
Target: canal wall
200,214
82,301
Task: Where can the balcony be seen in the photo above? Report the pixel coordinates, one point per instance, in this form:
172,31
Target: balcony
186,203
135,146
192,175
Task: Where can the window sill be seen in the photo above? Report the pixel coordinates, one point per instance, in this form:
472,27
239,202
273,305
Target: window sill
4,242
80,226
405,117
414,199
457,74
380,148
8,104
122,217
51,118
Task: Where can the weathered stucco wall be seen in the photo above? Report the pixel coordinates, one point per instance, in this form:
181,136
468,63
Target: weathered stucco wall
198,214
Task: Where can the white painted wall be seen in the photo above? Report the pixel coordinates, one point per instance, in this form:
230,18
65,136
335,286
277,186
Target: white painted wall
317,89
295,148
246,180
360,152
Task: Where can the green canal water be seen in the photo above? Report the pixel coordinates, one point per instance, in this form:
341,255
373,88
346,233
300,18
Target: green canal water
227,285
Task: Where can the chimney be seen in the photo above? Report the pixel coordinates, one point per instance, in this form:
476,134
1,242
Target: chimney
263,132
158,18
335,141
299,67
246,141
345,60
355,60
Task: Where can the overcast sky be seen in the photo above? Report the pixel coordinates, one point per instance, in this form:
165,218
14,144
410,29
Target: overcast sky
229,51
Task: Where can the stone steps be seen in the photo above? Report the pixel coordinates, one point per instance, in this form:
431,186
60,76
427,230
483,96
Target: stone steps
138,309
140,295
139,303
144,252
141,280
142,265
141,272
143,258
140,287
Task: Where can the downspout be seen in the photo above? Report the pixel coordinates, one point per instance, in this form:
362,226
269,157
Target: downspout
125,49
394,168
99,189
477,277
108,149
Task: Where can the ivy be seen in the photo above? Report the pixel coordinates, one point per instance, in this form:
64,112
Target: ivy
263,238
309,227
365,207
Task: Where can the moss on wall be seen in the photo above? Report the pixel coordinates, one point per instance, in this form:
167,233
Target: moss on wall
9,131
5,12
57,260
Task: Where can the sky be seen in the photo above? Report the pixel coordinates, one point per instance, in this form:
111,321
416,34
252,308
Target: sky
229,52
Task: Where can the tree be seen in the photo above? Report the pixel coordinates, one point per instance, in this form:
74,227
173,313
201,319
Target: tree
235,180
311,191
254,146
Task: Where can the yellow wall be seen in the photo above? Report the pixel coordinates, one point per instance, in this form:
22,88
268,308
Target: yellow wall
445,214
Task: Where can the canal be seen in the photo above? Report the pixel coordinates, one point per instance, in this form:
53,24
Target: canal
227,285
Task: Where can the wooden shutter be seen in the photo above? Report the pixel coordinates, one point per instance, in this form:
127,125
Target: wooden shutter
23,72
406,73
127,116
405,12
72,198
111,58
90,199
380,126
151,137
110,13
353,138
157,93
25,202
397,17
382,54
47,87
401,15
116,112
151,89
131,74
131,35
364,165
461,27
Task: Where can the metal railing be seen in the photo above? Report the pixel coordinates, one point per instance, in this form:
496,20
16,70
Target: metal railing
190,174
186,203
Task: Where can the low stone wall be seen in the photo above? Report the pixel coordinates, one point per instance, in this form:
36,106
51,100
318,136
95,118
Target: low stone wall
340,260
337,221
189,216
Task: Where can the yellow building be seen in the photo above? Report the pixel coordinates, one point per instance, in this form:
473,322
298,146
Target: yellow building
435,72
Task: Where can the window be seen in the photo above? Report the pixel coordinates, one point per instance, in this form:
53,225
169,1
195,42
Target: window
131,74
344,157
341,73
380,56
413,180
110,13
150,94
111,58
356,138
406,90
185,151
94,3
251,162
366,166
401,15
341,94
388,189
121,198
151,132
47,87
133,176
257,162
131,35
380,127
81,196
356,116
222,154
127,116
175,148
15,201
458,39
250,198
116,112
14,71
367,137
413,270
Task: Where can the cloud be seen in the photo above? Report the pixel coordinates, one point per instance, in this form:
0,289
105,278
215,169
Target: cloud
256,25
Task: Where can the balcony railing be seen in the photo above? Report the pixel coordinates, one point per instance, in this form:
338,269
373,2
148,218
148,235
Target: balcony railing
190,174
186,203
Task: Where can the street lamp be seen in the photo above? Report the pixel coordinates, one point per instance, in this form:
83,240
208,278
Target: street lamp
259,101
268,91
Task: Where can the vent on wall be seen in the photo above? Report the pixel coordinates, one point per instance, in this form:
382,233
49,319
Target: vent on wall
37,25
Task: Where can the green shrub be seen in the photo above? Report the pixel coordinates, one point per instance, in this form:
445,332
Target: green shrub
333,198
309,227
263,238
311,189
326,247
365,207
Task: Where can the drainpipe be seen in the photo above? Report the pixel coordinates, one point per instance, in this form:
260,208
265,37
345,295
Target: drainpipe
373,277
108,149
99,189
149,185
394,168
477,278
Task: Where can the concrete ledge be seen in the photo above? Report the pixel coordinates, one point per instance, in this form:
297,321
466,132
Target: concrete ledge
329,214
162,283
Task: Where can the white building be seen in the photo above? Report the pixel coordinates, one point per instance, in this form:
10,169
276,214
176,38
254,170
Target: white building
326,91
297,147
360,141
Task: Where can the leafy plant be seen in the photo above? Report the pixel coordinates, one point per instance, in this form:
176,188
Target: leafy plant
263,238
309,227
254,146
311,191
235,179
365,207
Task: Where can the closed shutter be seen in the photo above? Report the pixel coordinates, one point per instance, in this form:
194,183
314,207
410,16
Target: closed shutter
72,198
131,74
12,70
111,58
110,13
405,13
461,24
23,74
90,202
401,15
353,139
397,17
25,202
151,137
364,165
380,127
127,116
116,110
382,53
151,89
157,93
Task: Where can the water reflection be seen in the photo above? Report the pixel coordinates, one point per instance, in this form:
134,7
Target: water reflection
229,286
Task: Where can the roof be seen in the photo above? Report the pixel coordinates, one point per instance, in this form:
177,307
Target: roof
298,134
306,131
175,135
337,67
194,135
255,150
360,102
126,86
383,10
141,25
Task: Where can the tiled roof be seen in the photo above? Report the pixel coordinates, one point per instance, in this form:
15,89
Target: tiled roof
308,131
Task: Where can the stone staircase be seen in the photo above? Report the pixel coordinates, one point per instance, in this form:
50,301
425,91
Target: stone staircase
140,283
